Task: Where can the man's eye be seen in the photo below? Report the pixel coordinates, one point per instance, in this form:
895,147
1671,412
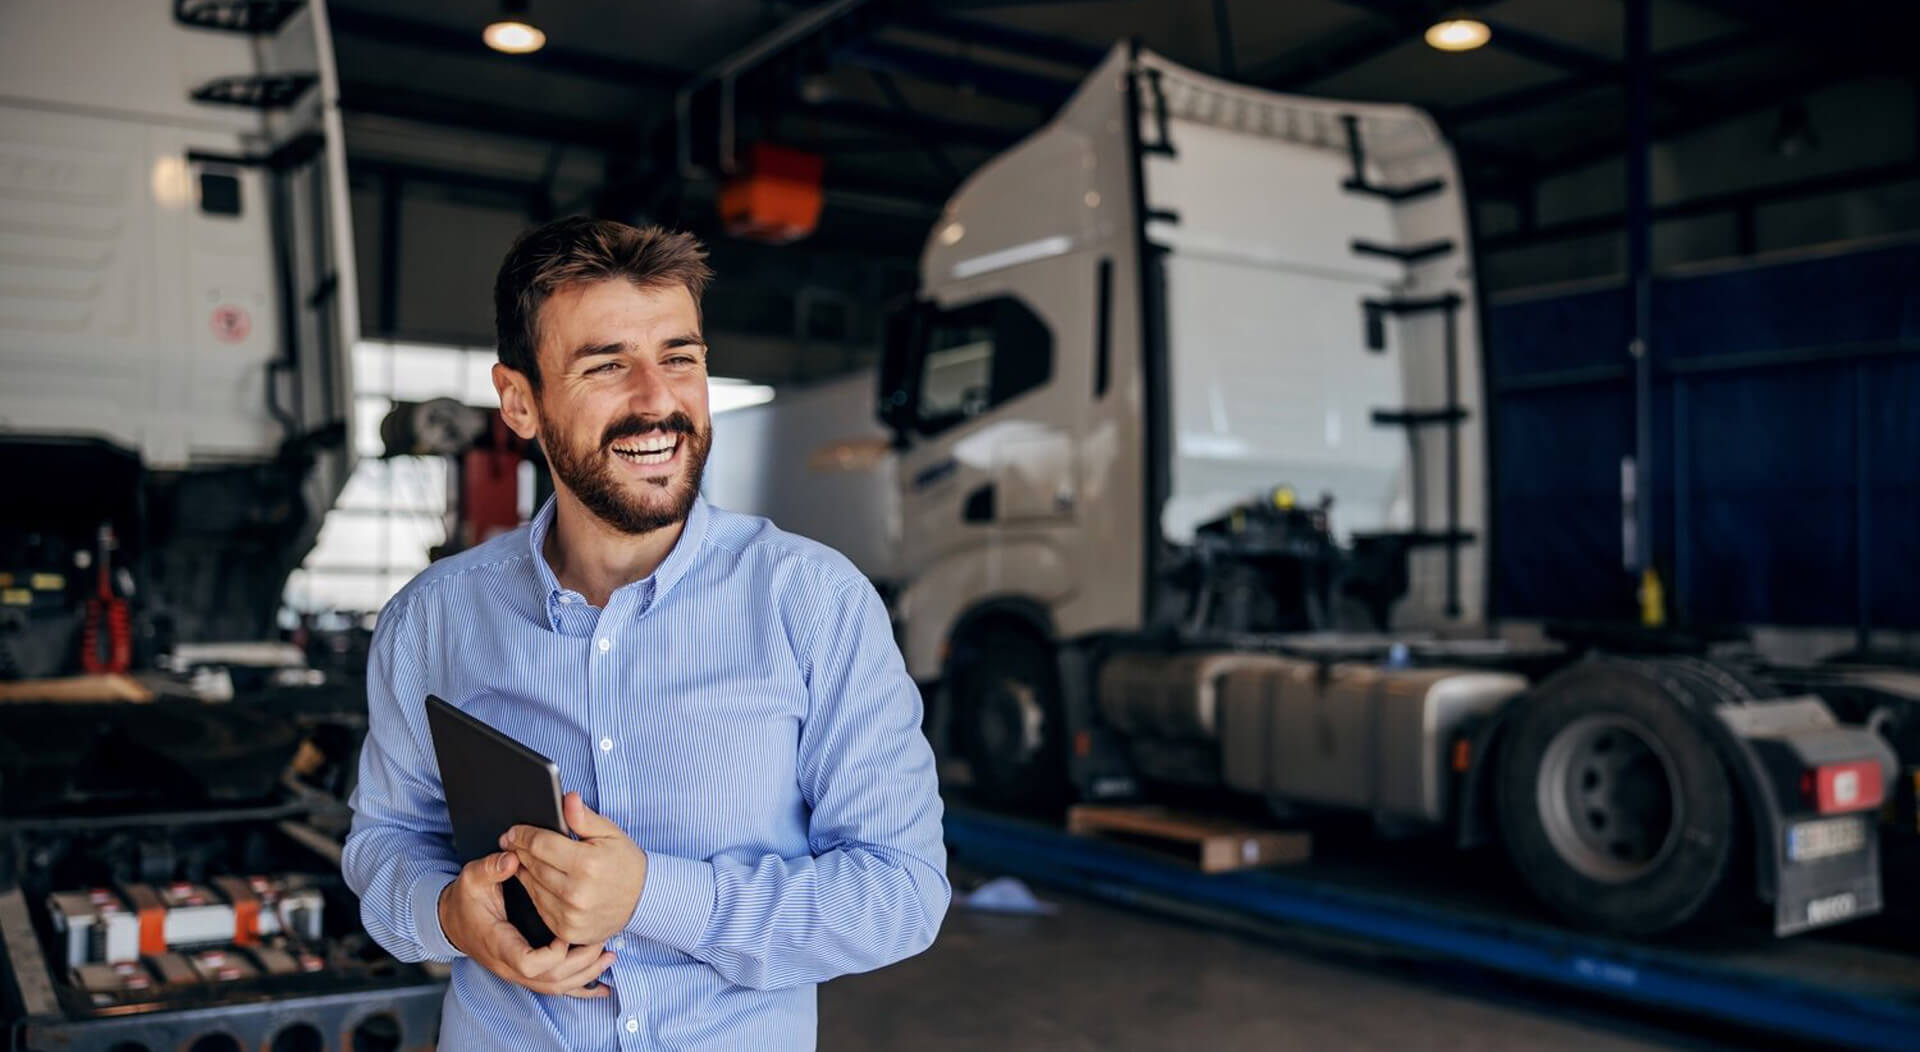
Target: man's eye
683,359
604,367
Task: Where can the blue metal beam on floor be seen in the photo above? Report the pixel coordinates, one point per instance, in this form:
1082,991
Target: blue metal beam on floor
1671,979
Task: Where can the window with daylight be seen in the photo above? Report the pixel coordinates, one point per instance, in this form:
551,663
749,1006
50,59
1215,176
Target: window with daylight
392,511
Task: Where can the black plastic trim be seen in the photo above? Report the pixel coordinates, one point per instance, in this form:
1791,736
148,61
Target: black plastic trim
1103,329
1153,344
1408,254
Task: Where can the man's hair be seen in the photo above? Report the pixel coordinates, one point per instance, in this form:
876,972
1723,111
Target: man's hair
578,249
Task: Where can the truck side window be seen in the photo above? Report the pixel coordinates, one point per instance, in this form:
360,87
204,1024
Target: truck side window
980,356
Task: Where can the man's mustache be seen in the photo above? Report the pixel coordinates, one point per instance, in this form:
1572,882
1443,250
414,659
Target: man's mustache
635,426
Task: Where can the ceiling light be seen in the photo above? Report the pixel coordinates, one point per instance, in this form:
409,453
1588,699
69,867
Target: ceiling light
514,38
1458,34
512,33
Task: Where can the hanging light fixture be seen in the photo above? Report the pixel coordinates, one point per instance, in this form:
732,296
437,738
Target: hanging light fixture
511,32
1458,32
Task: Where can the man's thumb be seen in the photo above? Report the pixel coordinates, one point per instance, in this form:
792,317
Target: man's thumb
584,822
499,867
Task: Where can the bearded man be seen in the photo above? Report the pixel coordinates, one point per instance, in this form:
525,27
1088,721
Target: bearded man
752,806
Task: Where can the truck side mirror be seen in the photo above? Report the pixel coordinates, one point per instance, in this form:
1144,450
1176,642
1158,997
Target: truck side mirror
900,364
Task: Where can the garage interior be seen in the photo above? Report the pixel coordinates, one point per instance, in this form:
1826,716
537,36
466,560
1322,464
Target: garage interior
1367,488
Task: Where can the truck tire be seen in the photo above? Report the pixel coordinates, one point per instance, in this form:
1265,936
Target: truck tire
1615,807
1008,721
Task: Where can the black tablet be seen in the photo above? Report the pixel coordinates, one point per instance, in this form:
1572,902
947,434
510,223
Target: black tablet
492,783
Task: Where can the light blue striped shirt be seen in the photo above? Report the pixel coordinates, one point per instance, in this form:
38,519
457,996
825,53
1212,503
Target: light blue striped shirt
743,713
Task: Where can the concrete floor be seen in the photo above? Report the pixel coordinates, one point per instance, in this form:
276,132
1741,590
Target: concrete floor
1097,977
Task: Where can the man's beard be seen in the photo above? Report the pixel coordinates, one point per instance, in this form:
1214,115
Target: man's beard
589,474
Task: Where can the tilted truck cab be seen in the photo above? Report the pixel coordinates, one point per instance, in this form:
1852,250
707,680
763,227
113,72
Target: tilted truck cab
1192,393
177,313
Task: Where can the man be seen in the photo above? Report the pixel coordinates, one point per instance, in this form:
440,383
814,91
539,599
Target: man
754,805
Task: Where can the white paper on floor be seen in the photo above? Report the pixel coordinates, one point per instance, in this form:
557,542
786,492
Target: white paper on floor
1005,895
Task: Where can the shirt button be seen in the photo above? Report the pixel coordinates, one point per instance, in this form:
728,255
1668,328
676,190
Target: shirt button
633,1026
605,644
606,745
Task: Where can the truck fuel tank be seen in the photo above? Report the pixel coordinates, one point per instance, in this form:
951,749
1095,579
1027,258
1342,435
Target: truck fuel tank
1351,735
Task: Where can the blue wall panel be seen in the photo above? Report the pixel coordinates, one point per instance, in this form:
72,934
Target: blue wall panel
1787,404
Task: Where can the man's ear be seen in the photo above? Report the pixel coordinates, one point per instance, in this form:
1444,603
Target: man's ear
518,406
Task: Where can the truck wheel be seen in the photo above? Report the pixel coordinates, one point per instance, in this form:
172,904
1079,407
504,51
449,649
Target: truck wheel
1007,722
1615,808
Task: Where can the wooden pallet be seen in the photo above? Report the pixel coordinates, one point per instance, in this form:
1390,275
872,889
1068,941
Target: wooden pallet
1215,845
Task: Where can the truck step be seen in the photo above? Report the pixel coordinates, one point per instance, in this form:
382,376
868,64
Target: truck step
1417,417
261,91
1396,194
237,16
1408,254
1210,843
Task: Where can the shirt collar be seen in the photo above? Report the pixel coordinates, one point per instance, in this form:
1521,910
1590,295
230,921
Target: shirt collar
664,577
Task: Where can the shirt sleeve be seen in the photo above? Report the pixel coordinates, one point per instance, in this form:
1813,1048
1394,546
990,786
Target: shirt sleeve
399,853
874,889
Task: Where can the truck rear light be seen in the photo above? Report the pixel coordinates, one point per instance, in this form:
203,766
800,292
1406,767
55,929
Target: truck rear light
1855,786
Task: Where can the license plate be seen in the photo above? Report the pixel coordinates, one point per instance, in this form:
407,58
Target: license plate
1808,841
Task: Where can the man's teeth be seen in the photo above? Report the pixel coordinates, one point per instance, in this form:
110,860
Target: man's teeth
657,450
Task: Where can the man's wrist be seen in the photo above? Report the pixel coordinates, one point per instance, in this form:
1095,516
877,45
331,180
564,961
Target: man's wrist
430,909
676,902
440,914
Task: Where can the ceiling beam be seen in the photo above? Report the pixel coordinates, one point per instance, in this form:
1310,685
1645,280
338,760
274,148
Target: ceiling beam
1358,44
1878,31
1518,101
428,36
384,100
1754,197
1686,122
867,117
1032,89
1022,42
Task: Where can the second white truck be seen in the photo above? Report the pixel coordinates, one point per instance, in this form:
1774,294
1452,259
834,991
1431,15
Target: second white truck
1191,393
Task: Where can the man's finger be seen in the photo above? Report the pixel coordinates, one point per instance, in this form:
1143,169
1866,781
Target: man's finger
585,823
553,848
580,977
547,875
534,963
495,868
577,960
505,941
588,992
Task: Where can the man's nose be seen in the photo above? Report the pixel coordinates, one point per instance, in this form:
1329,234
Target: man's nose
649,394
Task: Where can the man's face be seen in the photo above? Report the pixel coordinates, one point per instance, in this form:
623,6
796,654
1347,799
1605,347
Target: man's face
622,406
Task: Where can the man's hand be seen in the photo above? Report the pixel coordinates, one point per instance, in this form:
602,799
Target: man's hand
474,916
585,889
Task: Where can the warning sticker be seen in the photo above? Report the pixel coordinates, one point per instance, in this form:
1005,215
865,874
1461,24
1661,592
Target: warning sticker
231,324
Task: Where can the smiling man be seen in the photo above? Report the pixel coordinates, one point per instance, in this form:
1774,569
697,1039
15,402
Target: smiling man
753,806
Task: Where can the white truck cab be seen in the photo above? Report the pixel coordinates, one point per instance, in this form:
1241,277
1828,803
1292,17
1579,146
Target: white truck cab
1180,295
177,310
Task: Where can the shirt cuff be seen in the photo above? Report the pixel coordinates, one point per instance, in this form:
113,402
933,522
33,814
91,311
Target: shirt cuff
426,916
675,902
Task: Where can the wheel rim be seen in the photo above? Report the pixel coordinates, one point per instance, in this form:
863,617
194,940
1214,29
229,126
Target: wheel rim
1608,795
1012,724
